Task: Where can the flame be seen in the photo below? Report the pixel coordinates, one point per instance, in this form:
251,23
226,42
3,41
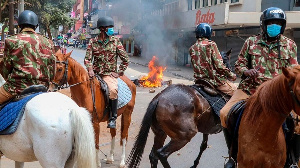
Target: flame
155,74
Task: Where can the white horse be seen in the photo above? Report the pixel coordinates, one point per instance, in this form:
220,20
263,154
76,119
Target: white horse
55,131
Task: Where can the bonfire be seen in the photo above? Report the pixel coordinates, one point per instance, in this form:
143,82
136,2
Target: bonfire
155,75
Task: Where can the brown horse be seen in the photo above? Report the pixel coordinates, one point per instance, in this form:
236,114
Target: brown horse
179,112
70,71
261,141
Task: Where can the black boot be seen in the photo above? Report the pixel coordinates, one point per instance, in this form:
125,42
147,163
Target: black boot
295,147
113,113
231,161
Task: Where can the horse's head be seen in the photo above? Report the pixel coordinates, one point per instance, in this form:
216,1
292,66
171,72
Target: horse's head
61,73
292,76
226,58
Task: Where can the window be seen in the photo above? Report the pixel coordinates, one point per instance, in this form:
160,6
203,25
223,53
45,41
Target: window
205,3
215,2
222,1
190,5
234,1
197,4
297,3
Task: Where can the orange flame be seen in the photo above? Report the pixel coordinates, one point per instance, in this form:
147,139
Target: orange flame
155,75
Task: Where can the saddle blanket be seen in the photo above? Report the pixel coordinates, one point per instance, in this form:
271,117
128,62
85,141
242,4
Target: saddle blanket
12,113
216,102
124,93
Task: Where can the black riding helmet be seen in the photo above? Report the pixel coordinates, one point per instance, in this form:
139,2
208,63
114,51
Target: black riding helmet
203,30
272,13
105,21
28,17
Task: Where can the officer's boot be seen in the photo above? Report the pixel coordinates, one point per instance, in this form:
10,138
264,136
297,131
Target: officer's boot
231,162
296,149
113,113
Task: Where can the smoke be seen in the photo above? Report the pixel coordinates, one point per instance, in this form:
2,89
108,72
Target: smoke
151,30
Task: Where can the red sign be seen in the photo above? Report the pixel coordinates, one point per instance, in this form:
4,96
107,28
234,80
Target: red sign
208,18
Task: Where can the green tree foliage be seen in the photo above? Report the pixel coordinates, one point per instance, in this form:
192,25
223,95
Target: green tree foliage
52,13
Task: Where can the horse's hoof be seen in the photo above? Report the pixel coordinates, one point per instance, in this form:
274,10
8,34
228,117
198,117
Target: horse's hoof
108,161
123,166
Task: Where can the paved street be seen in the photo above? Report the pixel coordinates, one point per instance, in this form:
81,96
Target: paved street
212,157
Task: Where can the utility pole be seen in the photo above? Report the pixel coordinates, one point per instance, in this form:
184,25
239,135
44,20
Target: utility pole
11,17
21,6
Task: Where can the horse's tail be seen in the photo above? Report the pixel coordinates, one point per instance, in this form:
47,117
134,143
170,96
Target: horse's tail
84,138
141,139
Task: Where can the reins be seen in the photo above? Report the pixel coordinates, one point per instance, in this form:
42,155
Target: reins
63,83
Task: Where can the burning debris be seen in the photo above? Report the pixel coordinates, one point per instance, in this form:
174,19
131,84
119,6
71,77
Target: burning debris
155,75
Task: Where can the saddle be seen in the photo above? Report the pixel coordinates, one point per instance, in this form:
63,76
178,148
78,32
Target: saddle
216,99
13,110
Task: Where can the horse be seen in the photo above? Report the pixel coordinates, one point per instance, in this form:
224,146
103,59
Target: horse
261,141
70,71
179,112
53,130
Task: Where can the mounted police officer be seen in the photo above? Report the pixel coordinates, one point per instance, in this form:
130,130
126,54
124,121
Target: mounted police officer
260,59
208,63
101,58
28,59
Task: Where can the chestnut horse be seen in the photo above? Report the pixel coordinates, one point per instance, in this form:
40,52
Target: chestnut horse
261,141
69,70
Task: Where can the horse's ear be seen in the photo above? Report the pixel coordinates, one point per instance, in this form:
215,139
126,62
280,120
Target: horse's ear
229,52
68,54
287,72
58,52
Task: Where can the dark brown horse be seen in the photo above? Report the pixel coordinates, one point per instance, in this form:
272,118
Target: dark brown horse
81,86
179,112
261,141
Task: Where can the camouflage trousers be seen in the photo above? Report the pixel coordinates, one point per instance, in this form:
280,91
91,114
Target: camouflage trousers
112,84
4,95
238,95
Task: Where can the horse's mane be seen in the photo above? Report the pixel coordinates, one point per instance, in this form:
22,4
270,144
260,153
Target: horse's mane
80,71
272,96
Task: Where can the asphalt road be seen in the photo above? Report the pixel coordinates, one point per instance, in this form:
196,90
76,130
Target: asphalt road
212,157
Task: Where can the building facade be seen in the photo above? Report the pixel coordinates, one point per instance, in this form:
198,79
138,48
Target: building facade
233,21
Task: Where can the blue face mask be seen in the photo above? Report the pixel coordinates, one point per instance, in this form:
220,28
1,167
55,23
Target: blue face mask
110,31
273,30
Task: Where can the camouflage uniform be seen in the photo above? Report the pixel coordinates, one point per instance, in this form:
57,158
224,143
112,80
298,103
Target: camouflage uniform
104,56
264,57
208,64
28,60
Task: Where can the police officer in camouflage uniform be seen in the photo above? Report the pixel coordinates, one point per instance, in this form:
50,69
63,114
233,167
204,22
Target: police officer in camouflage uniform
259,61
28,59
208,63
101,58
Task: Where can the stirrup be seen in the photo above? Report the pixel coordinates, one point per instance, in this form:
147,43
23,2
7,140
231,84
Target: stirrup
111,124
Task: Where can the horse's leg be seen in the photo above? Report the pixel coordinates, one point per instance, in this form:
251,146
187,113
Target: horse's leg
96,127
19,164
71,161
125,123
110,158
159,140
202,149
164,152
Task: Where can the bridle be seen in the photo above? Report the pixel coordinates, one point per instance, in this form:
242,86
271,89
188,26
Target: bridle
291,83
63,83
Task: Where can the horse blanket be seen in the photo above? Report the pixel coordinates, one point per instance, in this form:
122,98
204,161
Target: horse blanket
12,113
216,102
124,93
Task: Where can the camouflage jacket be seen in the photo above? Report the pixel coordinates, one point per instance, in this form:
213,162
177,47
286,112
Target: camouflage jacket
28,60
264,56
102,56
208,63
